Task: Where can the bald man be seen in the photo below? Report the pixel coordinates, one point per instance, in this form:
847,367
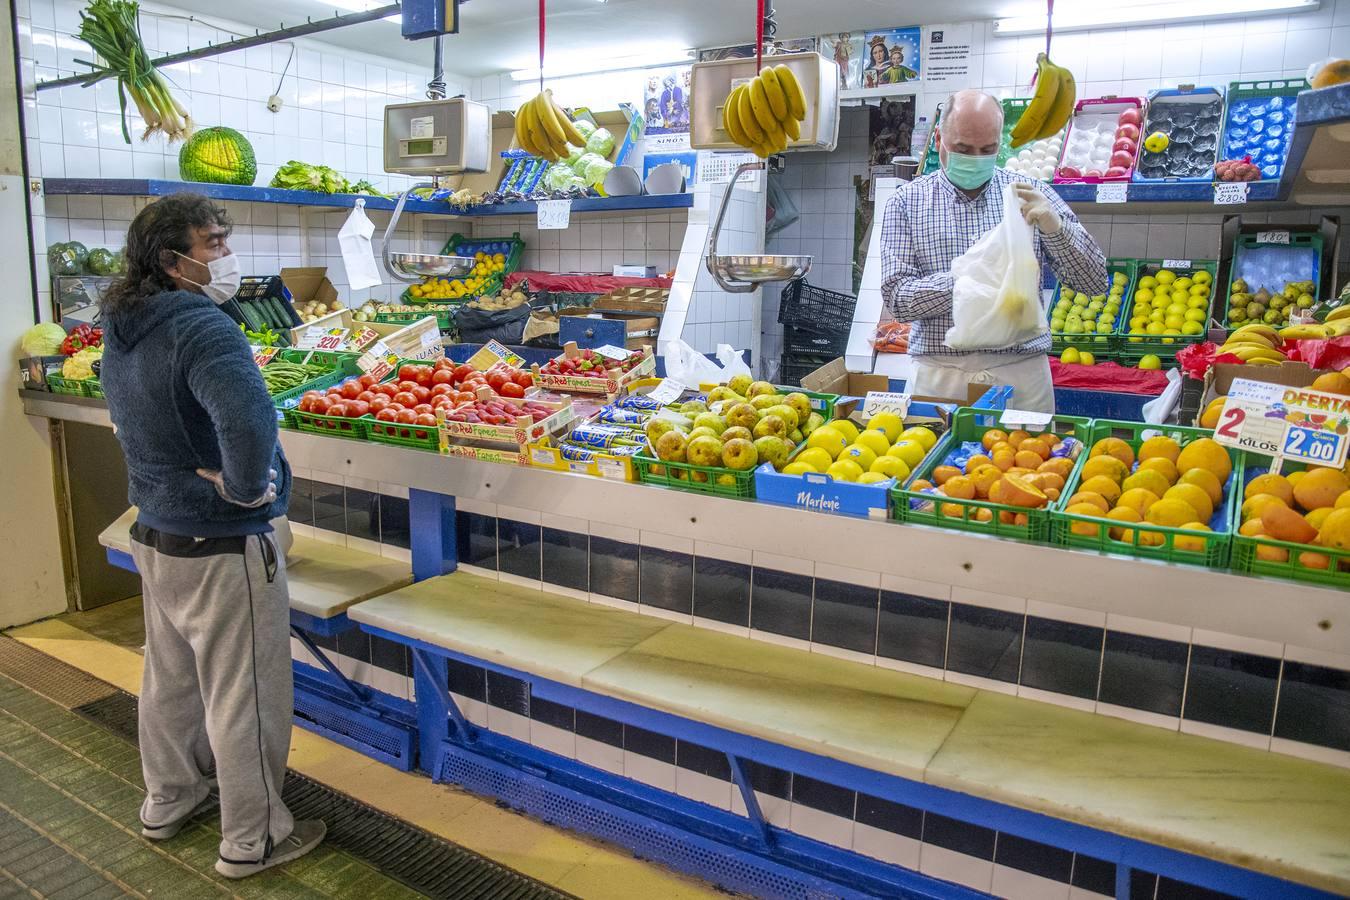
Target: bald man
934,219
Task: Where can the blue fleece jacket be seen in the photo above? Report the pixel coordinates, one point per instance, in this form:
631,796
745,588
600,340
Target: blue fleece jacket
184,394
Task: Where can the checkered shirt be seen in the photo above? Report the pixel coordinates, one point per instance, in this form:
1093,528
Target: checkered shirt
928,223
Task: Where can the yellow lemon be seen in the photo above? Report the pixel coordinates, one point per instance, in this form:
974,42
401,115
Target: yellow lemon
874,440
924,436
846,428
819,460
860,454
890,467
844,470
798,468
912,452
888,423
829,439
871,478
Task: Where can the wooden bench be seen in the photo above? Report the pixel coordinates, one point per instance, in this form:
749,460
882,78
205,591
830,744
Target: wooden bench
1208,813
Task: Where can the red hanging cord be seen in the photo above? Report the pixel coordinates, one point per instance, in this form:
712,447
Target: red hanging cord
1049,28
541,46
759,34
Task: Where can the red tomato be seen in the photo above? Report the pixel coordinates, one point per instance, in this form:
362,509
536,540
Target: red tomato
464,372
366,396
368,380
426,419
407,372
423,408
320,406
407,416
442,389
464,397
511,389
379,402
407,398
351,390
357,408
338,409
495,380
422,393
445,364
387,415
442,376
524,379
424,374
304,403
389,390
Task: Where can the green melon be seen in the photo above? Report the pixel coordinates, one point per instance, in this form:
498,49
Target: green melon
219,156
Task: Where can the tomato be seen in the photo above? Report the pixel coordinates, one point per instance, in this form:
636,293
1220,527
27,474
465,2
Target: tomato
338,409
464,372
379,402
495,381
387,415
444,364
423,408
389,390
442,389
304,403
406,416
441,376
357,408
465,397
320,406
422,393
426,419
511,389
351,390
367,380
407,398
424,374
408,372
366,396
524,379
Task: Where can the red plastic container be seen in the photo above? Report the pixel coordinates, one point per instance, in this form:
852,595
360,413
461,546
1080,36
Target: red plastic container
1100,109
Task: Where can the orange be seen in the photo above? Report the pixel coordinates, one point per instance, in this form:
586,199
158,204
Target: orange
1018,491
1149,480
1171,512
920,484
1189,543
1028,459
1038,445
1343,501
1206,453
1004,457
959,487
1332,383
1001,445
1335,531
1138,500
1084,529
976,461
982,514
1009,518
992,437
1253,507
1048,481
1252,528
1271,554
1196,497
984,478
1159,446
1205,479
1113,446
1017,437
1314,560
1283,524
1210,417
1275,485
1060,465
1318,516
1089,497
952,511
1105,465
1104,486
1122,514
1163,466
943,473
1321,487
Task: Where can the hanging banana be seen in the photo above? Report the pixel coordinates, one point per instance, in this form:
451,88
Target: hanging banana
544,130
765,114
1050,107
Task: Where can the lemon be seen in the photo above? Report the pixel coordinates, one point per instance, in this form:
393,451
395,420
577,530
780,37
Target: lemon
1069,356
818,459
924,436
846,428
797,468
861,454
874,440
871,478
910,452
888,423
829,439
844,470
1086,359
1150,361
891,467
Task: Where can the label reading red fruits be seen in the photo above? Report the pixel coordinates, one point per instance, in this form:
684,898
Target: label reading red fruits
1229,192
1113,192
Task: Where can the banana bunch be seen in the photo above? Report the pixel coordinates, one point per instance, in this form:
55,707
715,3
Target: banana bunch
1050,107
765,114
1255,345
544,130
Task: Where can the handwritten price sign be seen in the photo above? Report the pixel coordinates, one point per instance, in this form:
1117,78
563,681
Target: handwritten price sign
331,339
379,361
263,355
364,337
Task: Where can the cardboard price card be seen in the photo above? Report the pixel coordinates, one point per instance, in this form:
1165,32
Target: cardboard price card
363,337
263,355
379,361
491,353
667,392
332,339
1311,427
609,351
886,401
310,339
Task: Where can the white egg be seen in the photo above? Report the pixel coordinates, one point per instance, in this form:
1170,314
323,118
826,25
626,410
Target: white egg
1047,172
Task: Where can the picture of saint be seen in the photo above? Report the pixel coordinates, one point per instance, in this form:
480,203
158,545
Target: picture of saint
892,57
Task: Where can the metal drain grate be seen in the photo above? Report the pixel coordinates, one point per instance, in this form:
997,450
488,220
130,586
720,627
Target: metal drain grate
401,852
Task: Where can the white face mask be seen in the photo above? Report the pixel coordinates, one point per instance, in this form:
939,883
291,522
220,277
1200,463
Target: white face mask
224,272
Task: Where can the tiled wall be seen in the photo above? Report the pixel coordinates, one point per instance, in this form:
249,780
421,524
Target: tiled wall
713,316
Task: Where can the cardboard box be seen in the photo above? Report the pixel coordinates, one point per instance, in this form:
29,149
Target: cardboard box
635,271
835,378
1219,379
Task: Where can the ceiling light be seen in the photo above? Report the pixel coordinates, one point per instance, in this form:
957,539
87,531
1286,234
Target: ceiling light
1082,18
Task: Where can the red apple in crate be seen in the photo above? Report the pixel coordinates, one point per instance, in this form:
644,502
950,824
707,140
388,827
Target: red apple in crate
1070,172
1121,159
1093,173
1129,117
1128,131
1124,144
1116,172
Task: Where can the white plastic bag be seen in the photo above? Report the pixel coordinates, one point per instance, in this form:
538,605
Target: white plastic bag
996,295
358,257
1159,409
690,367
733,363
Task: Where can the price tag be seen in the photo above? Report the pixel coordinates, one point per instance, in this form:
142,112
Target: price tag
379,361
1176,264
310,339
492,353
263,355
1229,192
363,337
610,468
1025,419
609,351
542,457
331,339
554,214
1272,237
1113,192
1294,423
668,391
885,401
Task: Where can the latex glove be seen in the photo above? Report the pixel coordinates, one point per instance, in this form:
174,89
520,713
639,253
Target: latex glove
217,479
1036,209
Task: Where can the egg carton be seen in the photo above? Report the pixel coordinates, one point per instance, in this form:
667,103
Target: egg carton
1037,159
1103,141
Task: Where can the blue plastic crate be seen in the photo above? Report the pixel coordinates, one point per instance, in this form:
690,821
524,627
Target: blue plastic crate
1168,97
1101,404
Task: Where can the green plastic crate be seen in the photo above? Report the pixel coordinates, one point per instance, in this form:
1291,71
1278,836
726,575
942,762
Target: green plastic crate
59,384
738,483
1102,346
332,358
917,508
92,387
494,284
1217,541
1244,556
418,437
1133,348
286,400
1299,242
332,426
445,318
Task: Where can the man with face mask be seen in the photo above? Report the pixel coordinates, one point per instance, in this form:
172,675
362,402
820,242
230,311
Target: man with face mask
934,219
207,475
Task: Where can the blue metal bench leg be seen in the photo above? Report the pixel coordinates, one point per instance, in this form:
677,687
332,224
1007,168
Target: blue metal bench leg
435,709
752,810
356,692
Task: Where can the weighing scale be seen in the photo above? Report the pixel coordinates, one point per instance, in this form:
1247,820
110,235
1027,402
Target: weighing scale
432,137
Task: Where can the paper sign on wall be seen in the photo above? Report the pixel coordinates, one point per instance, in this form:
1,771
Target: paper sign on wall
886,401
554,214
1298,424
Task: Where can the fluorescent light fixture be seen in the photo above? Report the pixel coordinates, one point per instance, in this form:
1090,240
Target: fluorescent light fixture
586,65
1100,15
362,6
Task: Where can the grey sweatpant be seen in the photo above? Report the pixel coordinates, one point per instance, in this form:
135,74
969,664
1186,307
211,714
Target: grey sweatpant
217,682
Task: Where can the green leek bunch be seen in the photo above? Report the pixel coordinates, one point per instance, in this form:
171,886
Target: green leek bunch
112,28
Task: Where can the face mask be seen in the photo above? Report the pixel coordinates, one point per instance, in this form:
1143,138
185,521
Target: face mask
224,283
969,172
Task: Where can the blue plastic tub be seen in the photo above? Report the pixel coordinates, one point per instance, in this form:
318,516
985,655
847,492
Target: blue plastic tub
1101,404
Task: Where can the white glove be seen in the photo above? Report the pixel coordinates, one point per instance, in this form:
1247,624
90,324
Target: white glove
1036,209
217,479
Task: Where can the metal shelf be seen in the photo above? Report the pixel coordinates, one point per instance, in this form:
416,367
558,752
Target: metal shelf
154,187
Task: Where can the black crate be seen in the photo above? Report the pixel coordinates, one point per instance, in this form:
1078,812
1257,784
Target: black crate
815,308
794,366
797,341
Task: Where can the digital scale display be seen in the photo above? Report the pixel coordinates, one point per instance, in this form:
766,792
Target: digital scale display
422,146
419,148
